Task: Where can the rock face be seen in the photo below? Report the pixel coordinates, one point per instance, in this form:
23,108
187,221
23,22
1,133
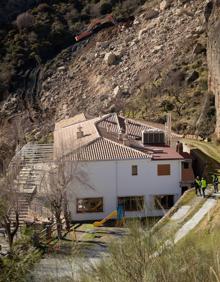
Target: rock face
214,59
126,67
110,58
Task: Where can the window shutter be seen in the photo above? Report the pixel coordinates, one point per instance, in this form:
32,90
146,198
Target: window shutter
163,169
134,170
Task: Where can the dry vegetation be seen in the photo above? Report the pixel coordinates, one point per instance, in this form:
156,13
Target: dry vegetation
196,258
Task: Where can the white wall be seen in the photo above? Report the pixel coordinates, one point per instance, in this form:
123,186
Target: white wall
112,179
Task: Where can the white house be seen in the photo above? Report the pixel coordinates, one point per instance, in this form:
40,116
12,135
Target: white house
123,160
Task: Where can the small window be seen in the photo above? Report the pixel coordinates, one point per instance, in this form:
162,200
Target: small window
185,165
163,169
163,201
134,170
134,203
89,205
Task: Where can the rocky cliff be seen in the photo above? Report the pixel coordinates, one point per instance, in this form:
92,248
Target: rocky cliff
146,67
214,57
153,65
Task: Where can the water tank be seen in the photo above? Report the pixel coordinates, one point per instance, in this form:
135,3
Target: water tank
153,137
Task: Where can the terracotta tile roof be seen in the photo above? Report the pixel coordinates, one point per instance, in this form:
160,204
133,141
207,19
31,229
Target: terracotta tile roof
103,149
65,139
114,124
70,121
101,139
167,153
109,123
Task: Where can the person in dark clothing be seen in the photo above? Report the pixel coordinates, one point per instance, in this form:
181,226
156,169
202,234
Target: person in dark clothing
215,183
197,185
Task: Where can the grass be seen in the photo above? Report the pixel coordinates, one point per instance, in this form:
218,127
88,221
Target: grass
194,259
187,198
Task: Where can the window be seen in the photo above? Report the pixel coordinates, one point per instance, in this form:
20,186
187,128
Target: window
163,201
134,203
185,165
89,205
163,169
134,170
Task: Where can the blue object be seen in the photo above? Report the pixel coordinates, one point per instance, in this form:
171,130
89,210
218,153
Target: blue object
120,212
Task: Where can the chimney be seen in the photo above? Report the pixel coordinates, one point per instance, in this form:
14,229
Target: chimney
126,141
120,135
108,127
179,147
79,133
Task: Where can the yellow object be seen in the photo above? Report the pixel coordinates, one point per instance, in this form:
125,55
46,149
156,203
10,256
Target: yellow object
110,216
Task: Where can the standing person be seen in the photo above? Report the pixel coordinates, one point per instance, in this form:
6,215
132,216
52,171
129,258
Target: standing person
215,183
203,185
197,185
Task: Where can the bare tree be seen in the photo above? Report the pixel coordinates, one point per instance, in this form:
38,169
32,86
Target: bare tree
58,180
9,201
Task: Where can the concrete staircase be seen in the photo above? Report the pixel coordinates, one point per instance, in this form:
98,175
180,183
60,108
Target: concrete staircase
33,156
23,204
28,179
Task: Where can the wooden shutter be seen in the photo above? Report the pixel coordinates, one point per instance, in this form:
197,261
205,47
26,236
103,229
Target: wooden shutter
163,169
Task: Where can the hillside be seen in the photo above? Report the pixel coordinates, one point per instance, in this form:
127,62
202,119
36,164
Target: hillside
144,66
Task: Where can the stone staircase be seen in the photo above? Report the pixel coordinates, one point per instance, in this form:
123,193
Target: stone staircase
33,156
23,204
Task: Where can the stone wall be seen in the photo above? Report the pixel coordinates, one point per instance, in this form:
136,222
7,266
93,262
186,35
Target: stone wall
214,59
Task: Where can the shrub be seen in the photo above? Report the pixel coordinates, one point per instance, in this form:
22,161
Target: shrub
44,7
105,8
24,21
135,258
167,106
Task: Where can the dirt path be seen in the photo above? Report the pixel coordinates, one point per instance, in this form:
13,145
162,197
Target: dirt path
70,259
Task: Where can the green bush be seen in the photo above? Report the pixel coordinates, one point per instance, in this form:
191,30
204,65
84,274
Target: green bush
105,8
167,106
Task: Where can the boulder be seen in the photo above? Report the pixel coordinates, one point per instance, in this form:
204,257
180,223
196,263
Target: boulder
165,4
146,29
117,91
102,45
120,53
136,21
110,58
157,48
103,97
151,14
62,68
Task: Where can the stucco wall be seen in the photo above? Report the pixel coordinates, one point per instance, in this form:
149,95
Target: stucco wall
112,179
